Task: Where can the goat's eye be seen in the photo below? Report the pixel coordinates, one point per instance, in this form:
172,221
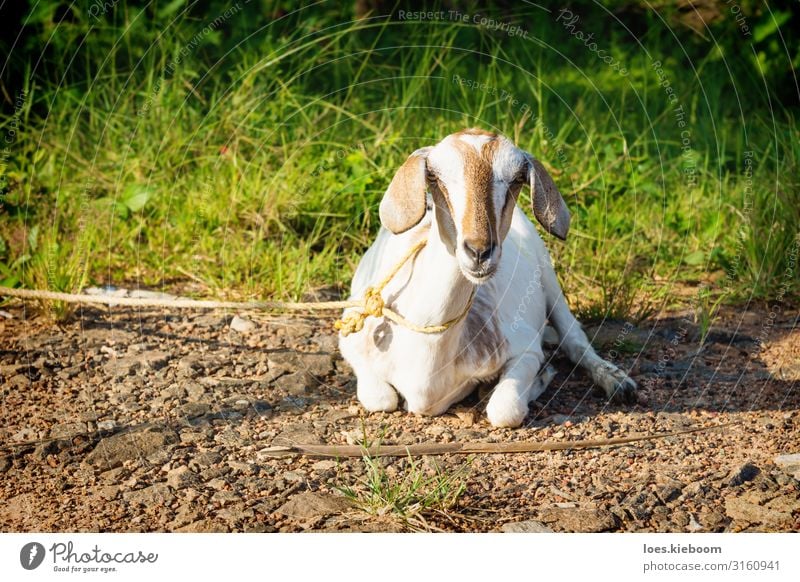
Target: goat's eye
518,181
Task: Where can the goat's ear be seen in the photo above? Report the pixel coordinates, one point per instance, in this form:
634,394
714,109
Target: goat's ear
548,204
403,205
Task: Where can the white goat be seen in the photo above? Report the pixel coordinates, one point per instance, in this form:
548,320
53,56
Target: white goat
461,195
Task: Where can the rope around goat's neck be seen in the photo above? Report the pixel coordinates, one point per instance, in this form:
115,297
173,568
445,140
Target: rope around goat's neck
373,305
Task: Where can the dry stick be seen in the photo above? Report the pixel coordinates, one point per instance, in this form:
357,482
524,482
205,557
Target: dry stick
471,448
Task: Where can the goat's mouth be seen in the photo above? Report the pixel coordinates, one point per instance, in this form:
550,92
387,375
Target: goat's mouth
479,276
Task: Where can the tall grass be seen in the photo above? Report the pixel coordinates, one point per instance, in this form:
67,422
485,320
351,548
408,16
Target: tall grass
251,155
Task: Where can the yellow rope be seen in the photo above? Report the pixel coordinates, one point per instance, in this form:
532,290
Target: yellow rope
371,305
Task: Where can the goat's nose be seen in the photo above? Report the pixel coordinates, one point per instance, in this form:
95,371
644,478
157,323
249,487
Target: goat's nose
478,252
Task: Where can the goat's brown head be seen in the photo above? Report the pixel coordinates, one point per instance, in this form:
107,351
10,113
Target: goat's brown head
474,178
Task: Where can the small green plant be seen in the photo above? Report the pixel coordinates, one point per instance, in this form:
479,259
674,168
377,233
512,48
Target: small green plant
409,494
55,266
706,310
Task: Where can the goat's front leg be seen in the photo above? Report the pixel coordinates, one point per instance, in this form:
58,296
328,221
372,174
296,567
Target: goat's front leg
614,382
375,395
508,404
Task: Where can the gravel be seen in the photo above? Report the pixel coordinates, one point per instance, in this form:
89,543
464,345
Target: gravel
139,420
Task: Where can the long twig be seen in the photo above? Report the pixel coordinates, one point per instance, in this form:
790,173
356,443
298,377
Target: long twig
344,451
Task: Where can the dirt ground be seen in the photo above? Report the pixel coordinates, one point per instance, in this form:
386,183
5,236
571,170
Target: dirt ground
143,420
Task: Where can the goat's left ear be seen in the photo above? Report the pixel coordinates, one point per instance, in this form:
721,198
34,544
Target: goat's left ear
548,204
403,205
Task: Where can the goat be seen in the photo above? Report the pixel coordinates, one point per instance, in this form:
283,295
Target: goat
461,196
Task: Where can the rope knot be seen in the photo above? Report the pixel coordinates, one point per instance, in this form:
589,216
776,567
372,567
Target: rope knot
372,304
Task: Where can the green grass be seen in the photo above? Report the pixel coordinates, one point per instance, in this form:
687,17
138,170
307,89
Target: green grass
410,495
255,164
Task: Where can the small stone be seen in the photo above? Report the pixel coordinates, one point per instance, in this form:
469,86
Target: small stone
242,325
746,472
294,476
288,361
261,406
173,391
296,383
67,430
580,520
790,464
195,409
310,505
114,450
157,495
181,477
108,425
322,466
740,509
195,392
525,527
467,415
693,525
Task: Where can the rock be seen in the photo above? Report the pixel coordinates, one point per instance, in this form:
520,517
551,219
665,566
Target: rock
114,450
790,464
742,510
261,406
204,526
287,361
130,365
242,325
195,409
693,525
173,391
195,392
322,466
296,383
67,430
181,477
107,425
157,495
206,459
579,520
467,415
310,505
525,527
746,472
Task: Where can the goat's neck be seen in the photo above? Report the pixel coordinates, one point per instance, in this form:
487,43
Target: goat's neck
437,291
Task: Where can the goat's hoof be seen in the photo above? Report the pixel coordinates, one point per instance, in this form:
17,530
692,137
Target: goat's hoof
381,399
506,411
623,389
